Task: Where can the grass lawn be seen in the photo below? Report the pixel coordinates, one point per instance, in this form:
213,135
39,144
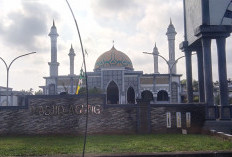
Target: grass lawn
51,145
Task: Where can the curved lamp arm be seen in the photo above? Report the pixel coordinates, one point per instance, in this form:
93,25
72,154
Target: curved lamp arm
19,57
4,62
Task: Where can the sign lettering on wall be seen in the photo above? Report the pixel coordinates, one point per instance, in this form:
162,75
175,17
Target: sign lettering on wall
53,110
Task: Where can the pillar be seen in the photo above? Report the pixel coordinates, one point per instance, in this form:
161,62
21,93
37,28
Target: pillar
222,72
188,57
201,88
206,48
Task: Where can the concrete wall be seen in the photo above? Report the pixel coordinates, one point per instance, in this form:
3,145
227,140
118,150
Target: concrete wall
159,115
62,114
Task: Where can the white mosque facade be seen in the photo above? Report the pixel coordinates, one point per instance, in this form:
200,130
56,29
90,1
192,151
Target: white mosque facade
115,76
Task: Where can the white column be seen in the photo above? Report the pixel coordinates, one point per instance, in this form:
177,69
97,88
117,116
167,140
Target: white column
53,64
156,61
71,57
171,33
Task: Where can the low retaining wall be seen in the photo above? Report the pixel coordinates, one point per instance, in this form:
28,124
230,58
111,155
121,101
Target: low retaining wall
159,118
66,114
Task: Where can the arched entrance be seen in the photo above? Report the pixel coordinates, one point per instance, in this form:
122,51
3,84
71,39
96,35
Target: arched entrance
112,93
147,95
162,96
130,96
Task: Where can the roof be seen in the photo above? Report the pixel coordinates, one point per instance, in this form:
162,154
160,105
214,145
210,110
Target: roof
113,59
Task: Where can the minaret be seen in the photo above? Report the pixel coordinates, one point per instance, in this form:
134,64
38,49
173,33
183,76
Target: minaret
171,33
156,62
71,57
53,64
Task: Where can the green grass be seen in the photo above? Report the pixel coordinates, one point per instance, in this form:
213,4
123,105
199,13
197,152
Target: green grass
51,145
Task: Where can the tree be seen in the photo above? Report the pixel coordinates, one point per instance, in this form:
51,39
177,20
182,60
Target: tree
195,86
39,92
28,92
196,99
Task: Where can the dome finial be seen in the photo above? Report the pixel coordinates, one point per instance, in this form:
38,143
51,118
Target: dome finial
170,21
113,46
53,23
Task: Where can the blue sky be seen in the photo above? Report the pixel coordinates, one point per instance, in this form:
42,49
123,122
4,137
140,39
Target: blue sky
134,25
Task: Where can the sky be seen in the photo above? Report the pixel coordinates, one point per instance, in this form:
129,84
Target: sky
134,26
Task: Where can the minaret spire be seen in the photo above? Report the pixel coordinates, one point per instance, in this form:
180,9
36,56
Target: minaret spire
71,57
53,64
171,33
156,61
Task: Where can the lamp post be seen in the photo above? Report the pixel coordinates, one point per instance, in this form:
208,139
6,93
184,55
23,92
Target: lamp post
170,70
8,69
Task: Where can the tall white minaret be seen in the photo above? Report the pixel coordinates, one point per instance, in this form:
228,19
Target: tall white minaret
171,33
156,62
71,57
53,64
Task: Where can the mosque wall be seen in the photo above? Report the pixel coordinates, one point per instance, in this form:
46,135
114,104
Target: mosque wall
61,114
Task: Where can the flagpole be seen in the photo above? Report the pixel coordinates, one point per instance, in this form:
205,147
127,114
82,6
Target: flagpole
86,80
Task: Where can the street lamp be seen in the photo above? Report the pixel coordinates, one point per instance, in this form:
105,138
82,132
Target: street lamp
170,70
7,71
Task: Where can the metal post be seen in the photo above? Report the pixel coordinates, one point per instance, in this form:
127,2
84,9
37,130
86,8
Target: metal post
7,85
170,70
7,72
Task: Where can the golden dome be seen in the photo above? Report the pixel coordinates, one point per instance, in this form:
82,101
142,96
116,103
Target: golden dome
113,59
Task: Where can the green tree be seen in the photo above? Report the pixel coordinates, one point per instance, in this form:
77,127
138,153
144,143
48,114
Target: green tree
195,86
196,99
38,92
27,92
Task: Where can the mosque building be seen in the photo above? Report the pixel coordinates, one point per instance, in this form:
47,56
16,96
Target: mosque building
115,76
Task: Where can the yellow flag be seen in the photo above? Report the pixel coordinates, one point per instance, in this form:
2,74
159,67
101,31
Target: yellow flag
80,81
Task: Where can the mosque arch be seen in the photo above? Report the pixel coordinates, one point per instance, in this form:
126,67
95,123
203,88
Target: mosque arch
162,95
147,95
130,95
112,93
